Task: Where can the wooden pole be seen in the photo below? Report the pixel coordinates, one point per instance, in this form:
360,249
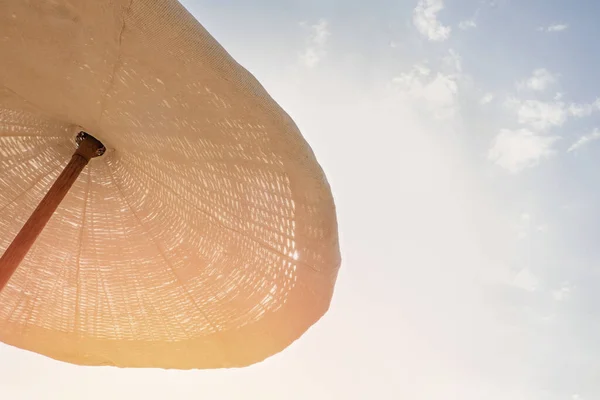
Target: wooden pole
88,148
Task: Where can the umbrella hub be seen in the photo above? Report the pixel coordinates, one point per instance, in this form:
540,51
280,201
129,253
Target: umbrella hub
88,146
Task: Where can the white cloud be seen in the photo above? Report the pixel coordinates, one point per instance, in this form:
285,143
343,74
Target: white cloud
543,228
414,77
562,294
553,28
583,110
437,92
585,140
515,150
526,280
558,28
422,70
453,61
524,226
502,274
539,81
487,98
441,93
580,110
467,24
317,40
426,22
541,115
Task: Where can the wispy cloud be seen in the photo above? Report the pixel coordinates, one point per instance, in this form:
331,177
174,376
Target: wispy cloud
585,140
544,115
453,61
436,91
541,115
317,40
526,280
541,80
467,24
515,150
562,293
425,19
584,110
524,226
553,28
526,146
487,98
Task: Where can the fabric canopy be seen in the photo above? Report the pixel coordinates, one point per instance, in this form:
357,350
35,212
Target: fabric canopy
205,237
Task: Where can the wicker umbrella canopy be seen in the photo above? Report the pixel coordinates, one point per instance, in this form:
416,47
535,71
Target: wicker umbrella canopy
202,232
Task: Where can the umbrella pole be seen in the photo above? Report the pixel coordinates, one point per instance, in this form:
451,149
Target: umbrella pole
88,148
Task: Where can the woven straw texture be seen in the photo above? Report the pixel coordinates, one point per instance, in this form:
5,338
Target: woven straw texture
205,237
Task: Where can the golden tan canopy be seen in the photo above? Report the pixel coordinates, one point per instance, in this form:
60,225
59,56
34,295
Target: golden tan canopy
205,237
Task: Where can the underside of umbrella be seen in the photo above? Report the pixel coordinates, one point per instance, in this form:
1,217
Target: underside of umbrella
204,237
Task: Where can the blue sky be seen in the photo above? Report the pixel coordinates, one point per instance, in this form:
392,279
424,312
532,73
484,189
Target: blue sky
459,139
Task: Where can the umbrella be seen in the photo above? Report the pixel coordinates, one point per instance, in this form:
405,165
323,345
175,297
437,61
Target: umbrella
163,210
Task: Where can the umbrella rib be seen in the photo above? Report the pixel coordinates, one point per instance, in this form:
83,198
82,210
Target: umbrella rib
139,221
266,227
29,188
218,223
80,241
28,136
6,131
25,100
21,125
21,297
162,318
231,178
144,300
20,163
225,194
113,75
100,285
28,156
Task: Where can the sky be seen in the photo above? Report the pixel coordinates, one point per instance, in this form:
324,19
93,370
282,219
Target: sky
461,140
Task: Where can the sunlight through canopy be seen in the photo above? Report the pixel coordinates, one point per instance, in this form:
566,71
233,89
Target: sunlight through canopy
204,237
